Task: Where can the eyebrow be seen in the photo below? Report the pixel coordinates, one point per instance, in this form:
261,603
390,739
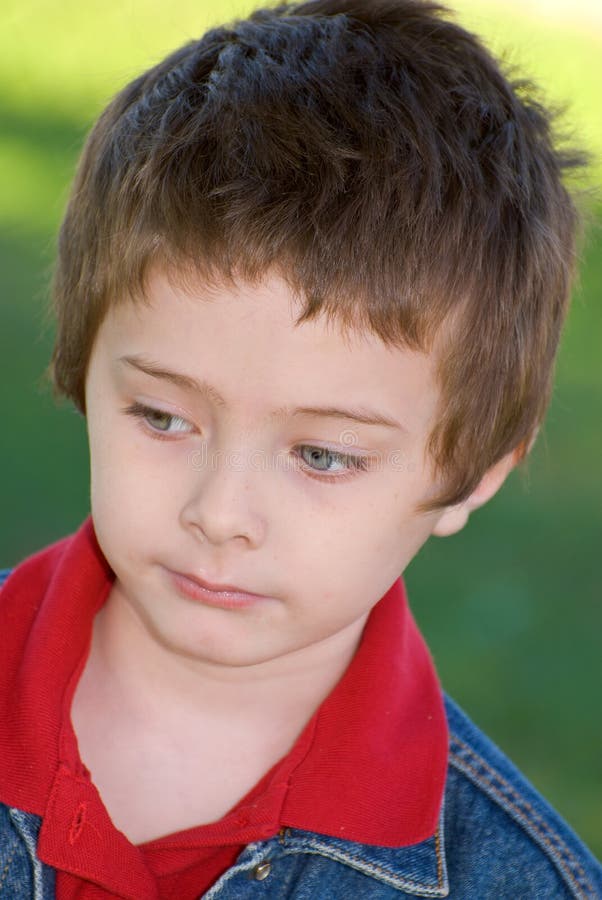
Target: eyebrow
363,416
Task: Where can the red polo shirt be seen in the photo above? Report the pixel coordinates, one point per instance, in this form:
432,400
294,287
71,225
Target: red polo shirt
369,766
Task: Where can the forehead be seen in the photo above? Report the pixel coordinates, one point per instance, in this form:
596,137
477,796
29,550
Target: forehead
244,341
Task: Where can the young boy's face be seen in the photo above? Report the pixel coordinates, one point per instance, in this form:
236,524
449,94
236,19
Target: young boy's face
246,492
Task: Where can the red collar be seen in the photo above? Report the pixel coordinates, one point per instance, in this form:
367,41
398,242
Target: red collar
369,766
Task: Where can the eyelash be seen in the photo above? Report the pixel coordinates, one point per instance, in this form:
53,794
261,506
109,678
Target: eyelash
355,463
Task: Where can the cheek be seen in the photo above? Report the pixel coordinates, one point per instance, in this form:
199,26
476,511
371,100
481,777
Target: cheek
129,513
352,547
387,535
126,488
130,493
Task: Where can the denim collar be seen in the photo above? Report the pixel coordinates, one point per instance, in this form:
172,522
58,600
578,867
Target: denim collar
419,869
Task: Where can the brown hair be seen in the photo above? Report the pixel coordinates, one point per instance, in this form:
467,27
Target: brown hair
372,152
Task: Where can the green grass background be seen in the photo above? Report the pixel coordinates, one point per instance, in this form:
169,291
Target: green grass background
511,606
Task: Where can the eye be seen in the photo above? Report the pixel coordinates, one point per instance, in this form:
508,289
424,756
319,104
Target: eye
315,456
158,421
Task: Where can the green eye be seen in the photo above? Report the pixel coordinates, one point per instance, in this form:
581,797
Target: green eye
159,420
317,454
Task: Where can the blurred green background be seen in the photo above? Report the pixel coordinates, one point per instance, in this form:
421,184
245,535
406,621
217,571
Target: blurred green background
511,606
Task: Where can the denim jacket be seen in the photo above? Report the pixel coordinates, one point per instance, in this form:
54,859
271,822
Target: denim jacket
497,838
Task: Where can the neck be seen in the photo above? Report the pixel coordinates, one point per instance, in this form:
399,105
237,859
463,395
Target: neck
157,682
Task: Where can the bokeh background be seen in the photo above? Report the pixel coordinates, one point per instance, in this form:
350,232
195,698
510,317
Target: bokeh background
511,606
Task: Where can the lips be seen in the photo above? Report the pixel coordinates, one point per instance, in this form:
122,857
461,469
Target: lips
220,588
209,593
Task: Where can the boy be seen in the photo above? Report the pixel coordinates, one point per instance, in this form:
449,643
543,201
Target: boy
310,286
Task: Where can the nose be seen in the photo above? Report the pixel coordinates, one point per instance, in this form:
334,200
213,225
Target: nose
221,502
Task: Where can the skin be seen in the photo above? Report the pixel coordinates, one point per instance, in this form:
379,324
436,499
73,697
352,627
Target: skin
227,493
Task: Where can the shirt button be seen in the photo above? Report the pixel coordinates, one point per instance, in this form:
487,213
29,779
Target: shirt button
262,871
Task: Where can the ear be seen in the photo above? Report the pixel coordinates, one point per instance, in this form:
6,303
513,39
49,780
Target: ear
454,518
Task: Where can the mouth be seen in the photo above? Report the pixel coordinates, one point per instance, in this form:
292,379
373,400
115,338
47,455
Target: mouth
226,596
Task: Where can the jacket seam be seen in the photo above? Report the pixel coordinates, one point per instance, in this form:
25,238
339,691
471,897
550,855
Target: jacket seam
373,871
322,849
439,854
558,845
